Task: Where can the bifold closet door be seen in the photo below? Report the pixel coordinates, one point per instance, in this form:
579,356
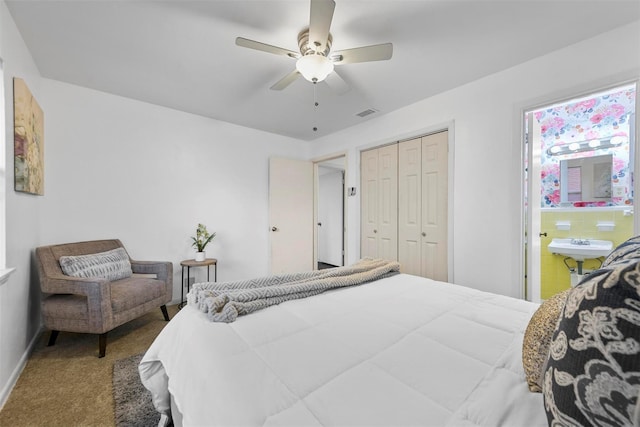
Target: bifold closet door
422,206
379,203
410,206
435,189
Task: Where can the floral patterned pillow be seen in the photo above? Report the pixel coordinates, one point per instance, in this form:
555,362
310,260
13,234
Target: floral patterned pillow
592,374
627,250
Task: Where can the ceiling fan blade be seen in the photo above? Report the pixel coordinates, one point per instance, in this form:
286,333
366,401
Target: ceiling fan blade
286,80
320,23
337,84
252,44
377,52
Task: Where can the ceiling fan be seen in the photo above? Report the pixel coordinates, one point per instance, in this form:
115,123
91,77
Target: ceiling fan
315,61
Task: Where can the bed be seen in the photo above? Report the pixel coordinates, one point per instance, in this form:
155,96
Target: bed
398,351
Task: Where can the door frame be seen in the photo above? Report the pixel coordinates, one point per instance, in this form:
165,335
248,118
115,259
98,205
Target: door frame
316,182
527,244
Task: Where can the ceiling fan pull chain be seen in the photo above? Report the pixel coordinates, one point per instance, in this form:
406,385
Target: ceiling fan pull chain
315,103
315,96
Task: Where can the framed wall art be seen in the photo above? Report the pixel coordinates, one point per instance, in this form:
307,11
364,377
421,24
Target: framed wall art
28,140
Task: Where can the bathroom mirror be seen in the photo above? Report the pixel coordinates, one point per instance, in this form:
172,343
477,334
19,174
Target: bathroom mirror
585,179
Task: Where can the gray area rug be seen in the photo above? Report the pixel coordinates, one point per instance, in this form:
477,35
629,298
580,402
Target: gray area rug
133,401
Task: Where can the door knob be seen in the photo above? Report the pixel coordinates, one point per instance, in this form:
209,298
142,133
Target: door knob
274,228
424,234
375,231
320,224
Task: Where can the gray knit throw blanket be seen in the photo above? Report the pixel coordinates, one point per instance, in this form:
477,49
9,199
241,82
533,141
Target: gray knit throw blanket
224,302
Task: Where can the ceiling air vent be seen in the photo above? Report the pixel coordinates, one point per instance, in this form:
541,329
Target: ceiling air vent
366,112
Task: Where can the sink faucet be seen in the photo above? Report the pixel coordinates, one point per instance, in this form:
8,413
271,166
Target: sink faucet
580,242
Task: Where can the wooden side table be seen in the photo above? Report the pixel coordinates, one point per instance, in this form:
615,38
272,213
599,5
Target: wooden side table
188,263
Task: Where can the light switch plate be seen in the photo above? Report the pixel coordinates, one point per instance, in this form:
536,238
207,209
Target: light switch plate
618,191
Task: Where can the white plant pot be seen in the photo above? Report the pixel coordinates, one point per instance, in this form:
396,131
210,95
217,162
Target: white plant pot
201,256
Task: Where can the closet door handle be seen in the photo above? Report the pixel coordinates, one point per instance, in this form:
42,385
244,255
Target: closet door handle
424,234
375,231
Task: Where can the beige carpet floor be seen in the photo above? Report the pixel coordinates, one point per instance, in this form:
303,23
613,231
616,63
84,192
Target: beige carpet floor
68,385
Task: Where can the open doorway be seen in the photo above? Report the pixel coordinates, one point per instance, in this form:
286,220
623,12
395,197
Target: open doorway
579,184
330,213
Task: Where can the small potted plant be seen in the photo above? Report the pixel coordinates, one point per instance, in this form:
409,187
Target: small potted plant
201,240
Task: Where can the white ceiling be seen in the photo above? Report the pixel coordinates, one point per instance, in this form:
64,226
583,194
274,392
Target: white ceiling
182,54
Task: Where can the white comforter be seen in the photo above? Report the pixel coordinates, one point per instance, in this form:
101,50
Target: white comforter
396,352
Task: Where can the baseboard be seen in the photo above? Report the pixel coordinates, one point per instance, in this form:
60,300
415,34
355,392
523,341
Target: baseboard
13,379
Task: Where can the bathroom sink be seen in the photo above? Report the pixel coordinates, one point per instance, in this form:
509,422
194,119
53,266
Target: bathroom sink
580,249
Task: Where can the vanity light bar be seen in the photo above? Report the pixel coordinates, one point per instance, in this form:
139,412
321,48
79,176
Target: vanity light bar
594,144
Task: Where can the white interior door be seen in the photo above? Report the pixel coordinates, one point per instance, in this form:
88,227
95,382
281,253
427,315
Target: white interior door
330,215
533,210
379,202
434,206
291,215
409,206
422,206
388,202
369,204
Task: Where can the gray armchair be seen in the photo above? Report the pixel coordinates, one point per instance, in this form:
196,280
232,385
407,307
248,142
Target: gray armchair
97,305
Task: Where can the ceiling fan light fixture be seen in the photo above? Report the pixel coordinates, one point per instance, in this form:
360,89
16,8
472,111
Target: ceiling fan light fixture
314,67
315,61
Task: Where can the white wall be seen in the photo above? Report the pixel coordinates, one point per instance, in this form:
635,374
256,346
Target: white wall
487,182
148,175
116,167
19,297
